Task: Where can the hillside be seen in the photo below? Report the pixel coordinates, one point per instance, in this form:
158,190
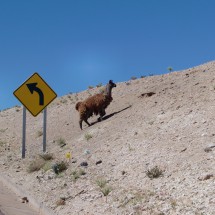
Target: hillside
169,129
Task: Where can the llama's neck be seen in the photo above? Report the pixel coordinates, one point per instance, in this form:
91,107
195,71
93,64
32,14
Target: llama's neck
108,90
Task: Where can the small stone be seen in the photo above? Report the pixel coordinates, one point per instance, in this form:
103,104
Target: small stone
84,164
208,176
25,200
63,145
99,162
87,152
184,149
60,202
208,149
123,172
74,160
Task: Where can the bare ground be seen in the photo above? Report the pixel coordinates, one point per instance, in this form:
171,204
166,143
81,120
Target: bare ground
169,129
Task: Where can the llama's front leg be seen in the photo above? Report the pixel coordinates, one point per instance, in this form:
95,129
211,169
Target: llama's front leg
80,123
101,113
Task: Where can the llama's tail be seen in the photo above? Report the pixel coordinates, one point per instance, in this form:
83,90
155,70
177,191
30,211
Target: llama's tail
77,105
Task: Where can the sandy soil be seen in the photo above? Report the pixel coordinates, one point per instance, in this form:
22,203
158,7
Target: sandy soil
12,204
169,129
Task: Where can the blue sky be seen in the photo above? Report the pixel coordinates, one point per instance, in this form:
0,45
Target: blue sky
73,44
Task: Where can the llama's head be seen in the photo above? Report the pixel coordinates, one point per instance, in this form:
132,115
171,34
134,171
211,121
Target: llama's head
109,87
112,84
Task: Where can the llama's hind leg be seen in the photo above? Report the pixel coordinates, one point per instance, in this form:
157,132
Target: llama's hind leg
85,120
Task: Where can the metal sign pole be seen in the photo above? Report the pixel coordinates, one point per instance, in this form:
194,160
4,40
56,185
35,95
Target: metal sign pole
23,132
44,129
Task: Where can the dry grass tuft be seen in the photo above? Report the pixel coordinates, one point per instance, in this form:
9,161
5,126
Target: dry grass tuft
35,165
154,172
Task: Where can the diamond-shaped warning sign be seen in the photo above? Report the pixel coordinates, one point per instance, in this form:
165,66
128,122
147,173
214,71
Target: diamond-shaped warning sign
35,94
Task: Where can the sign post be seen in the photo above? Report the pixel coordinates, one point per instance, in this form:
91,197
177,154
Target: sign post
23,132
44,129
35,95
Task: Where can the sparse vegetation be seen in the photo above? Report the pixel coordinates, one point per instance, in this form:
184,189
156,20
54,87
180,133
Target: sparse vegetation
130,148
46,157
90,87
47,166
59,167
170,69
62,166
135,197
77,173
60,175
106,190
99,85
36,165
3,130
63,101
173,203
144,160
101,182
138,197
102,90
88,136
133,78
39,133
154,172
61,142
2,143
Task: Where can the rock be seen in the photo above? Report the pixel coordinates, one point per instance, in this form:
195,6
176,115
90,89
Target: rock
99,162
184,149
60,202
84,164
123,172
206,177
49,175
208,149
25,200
74,160
87,152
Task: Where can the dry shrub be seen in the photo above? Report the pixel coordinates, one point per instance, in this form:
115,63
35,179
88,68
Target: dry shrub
46,157
36,165
154,172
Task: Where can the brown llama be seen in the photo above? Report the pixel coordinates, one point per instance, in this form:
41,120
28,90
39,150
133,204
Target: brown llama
95,104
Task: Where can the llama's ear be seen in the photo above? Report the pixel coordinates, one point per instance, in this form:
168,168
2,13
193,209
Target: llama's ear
111,82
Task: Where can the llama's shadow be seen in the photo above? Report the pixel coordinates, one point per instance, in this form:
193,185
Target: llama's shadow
110,115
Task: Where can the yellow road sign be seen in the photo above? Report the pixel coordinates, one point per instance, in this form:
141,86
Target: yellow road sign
35,94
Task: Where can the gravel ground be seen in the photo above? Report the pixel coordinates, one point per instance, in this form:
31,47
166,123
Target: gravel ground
160,123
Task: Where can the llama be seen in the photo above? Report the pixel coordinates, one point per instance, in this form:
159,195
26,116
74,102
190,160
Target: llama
95,104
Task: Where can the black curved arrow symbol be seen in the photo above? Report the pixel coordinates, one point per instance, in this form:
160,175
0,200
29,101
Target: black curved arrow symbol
33,87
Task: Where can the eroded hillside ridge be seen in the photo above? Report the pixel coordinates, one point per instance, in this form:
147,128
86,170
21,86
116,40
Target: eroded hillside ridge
152,154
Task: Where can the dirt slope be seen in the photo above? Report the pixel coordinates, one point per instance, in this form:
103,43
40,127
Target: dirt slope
169,129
